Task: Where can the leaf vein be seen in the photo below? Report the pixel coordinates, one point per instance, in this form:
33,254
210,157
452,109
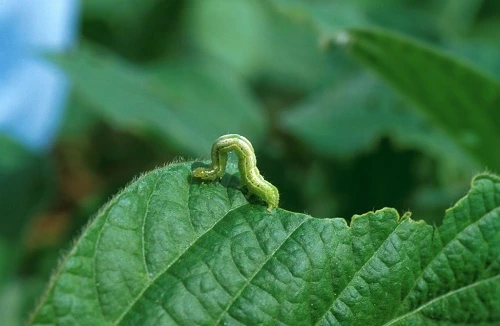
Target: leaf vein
442,250
249,280
357,272
151,282
442,297
144,219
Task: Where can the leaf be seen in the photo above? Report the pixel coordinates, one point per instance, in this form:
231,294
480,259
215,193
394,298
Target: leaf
258,35
326,16
353,114
329,17
207,23
168,250
455,95
457,17
445,88
131,98
78,119
480,51
16,299
11,296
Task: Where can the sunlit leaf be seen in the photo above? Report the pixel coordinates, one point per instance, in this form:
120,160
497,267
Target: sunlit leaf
169,250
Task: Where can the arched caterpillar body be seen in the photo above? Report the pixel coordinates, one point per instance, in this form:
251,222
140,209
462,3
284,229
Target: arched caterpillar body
247,165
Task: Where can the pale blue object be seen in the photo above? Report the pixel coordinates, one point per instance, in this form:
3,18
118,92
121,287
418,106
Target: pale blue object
33,91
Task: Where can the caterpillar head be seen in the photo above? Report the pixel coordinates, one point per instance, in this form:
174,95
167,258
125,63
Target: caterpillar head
204,174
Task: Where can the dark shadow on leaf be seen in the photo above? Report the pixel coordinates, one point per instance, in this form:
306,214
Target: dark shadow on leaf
231,181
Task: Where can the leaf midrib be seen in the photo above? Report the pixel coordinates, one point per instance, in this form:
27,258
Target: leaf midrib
143,233
98,240
71,253
400,223
153,280
257,270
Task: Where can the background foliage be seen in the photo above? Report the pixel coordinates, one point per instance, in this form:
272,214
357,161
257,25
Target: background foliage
350,108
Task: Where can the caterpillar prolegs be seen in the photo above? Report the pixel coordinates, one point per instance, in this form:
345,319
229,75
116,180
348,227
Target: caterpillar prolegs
247,165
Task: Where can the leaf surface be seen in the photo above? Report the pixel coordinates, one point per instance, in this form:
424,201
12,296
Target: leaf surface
352,115
460,98
170,250
183,103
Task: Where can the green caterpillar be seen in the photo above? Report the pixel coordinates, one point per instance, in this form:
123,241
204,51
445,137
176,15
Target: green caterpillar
247,164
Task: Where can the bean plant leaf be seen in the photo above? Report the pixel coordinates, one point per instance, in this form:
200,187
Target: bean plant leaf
442,86
351,116
133,98
258,35
171,250
462,99
325,16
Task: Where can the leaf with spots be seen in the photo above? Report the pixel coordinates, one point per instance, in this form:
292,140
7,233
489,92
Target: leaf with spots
171,250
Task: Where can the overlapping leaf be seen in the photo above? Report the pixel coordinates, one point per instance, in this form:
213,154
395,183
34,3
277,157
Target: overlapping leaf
184,106
353,114
459,98
170,250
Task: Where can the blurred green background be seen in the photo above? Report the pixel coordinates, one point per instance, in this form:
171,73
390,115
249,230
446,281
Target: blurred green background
155,80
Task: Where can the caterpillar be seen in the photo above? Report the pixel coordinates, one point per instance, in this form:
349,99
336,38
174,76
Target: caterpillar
247,165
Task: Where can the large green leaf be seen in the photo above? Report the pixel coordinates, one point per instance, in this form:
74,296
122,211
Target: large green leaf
457,17
458,97
329,17
10,304
326,16
261,43
189,105
352,115
170,250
